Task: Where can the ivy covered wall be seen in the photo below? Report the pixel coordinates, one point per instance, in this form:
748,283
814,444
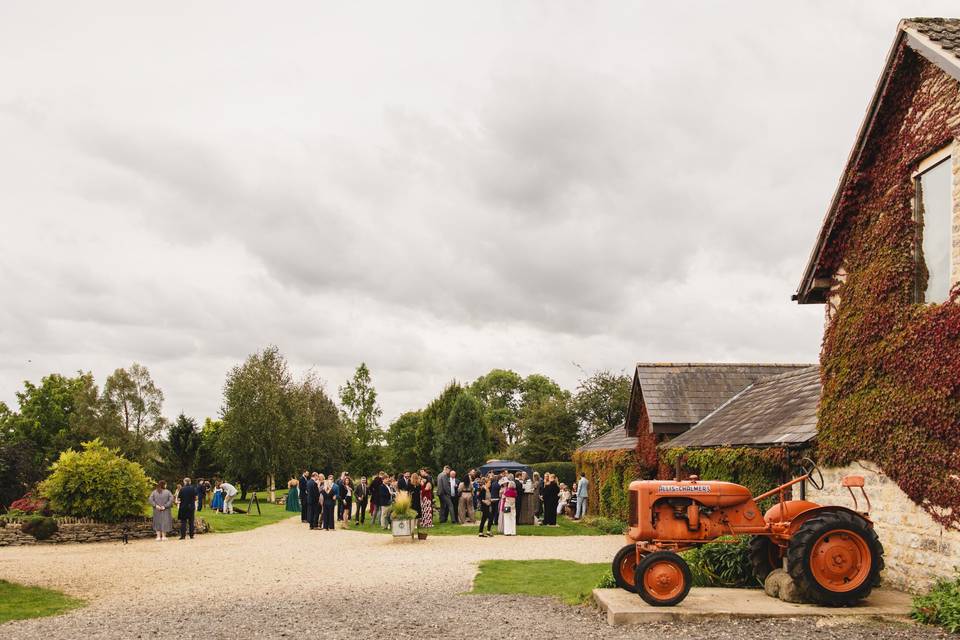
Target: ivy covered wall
890,366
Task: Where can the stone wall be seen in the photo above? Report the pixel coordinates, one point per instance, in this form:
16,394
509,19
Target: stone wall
86,530
917,550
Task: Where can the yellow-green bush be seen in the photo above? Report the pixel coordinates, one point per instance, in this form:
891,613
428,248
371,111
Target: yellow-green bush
96,483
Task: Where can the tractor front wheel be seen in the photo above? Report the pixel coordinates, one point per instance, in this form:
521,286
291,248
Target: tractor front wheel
624,567
663,579
764,557
835,558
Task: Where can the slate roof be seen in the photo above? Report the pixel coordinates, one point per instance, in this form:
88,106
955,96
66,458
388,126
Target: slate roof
684,393
944,32
611,441
775,411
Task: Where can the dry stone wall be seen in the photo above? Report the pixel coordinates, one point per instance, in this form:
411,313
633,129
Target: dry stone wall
85,530
917,550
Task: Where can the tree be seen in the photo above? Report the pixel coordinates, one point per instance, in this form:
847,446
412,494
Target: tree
433,421
402,441
550,432
361,413
57,415
500,392
463,442
179,452
323,438
601,403
18,470
258,437
135,401
208,454
538,388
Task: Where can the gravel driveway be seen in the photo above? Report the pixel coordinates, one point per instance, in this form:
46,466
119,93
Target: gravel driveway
286,581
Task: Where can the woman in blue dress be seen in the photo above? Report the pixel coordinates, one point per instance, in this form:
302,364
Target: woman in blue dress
293,496
217,503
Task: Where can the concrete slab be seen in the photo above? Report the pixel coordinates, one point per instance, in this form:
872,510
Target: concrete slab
623,607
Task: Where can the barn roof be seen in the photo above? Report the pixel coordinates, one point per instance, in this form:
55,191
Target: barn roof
937,40
775,411
682,394
614,440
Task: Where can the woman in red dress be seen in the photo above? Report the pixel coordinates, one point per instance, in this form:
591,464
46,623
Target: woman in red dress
426,505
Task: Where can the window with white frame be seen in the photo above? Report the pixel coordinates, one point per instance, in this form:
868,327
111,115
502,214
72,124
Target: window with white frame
934,212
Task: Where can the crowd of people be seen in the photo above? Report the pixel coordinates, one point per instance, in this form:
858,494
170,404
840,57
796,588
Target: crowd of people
503,499
189,497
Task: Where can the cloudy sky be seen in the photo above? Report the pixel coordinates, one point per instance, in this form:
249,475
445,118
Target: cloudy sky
433,188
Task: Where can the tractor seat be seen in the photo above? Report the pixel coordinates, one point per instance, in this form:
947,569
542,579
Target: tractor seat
852,481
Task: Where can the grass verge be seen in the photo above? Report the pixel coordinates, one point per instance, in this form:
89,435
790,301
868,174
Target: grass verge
570,581
221,523
566,527
18,602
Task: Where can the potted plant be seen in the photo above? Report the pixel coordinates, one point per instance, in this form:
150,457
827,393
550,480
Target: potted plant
402,517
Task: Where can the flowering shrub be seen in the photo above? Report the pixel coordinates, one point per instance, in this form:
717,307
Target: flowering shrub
29,504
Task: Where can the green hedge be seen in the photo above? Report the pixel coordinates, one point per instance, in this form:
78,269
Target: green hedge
566,471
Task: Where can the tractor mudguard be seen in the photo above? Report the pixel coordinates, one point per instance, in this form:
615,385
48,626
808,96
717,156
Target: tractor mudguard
804,515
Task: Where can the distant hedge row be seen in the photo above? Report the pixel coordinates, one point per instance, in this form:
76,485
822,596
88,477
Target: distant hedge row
566,471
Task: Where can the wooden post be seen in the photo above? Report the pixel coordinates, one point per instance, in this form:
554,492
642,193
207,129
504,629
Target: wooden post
271,482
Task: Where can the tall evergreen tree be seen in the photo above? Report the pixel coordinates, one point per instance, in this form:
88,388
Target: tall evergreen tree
433,421
463,442
179,451
402,441
360,413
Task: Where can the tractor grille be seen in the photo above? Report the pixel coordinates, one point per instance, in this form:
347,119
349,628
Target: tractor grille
634,505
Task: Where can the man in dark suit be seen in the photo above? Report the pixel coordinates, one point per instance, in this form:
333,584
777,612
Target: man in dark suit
443,493
186,510
360,497
201,493
304,501
403,482
313,499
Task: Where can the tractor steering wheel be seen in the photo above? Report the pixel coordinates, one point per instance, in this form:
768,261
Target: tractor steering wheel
809,468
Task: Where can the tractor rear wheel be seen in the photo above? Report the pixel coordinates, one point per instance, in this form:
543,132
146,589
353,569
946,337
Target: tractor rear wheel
624,567
663,579
835,558
764,557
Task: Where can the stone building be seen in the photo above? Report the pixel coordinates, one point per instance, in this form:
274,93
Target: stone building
884,263
667,399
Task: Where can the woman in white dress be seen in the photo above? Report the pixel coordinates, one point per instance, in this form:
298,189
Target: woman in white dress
509,500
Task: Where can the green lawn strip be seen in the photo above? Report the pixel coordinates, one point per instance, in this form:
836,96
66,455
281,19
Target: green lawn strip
566,527
570,581
18,602
222,523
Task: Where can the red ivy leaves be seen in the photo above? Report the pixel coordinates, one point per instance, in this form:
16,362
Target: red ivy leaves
891,368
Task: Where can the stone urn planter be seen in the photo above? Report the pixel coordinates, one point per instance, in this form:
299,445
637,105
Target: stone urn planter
403,529
403,519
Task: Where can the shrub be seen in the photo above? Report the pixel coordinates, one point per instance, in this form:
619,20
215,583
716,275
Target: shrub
40,527
941,606
606,581
96,483
611,526
29,503
722,564
566,471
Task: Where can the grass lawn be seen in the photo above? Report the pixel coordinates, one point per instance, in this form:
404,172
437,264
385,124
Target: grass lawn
18,602
570,581
567,527
221,523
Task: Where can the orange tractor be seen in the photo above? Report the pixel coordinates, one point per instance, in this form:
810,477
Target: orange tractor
832,553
